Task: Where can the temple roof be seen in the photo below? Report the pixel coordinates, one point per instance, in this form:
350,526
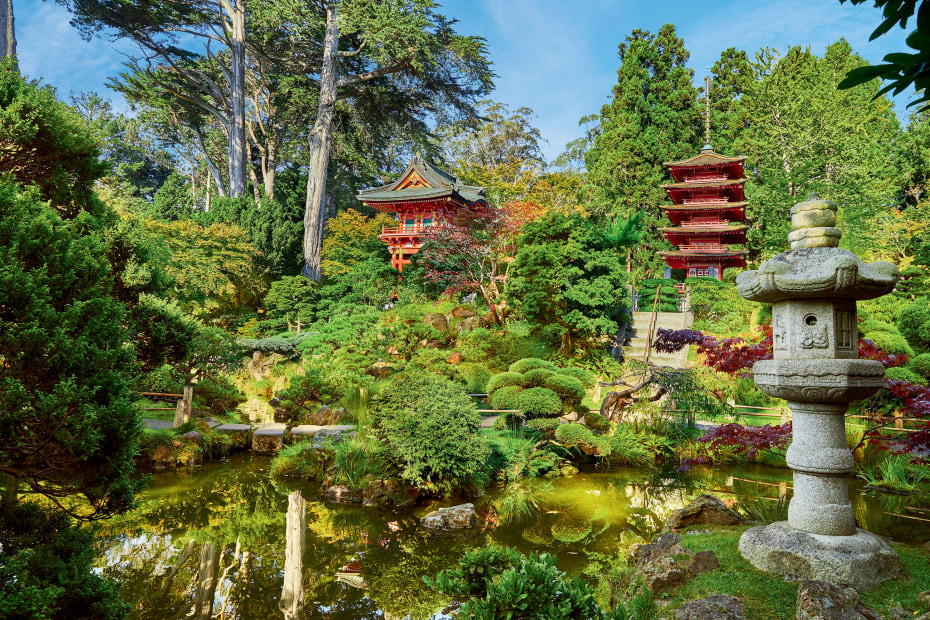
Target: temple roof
421,181
706,157
704,184
714,228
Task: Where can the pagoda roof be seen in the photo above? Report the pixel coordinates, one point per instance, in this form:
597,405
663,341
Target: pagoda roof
705,254
706,157
704,184
422,180
714,228
705,207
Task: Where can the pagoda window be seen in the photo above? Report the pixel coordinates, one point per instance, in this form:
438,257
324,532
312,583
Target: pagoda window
427,222
410,224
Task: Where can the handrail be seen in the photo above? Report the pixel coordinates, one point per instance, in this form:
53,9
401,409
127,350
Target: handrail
652,320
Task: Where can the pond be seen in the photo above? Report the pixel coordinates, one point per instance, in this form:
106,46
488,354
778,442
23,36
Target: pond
214,537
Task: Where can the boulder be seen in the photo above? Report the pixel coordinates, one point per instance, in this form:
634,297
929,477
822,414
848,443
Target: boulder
819,600
715,607
163,455
193,437
702,562
662,573
454,358
240,434
667,543
924,598
379,370
568,470
340,494
322,415
705,509
452,518
462,312
436,321
269,439
469,324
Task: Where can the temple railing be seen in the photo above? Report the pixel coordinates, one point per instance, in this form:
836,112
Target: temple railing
405,230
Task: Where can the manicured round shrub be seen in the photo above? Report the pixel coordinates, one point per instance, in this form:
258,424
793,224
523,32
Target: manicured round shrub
587,378
891,343
921,365
905,374
914,324
502,379
596,422
543,425
503,398
530,363
475,377
580,437
537,377
538,403
569,389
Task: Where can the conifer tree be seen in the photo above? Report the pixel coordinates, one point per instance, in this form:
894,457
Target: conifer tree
653,118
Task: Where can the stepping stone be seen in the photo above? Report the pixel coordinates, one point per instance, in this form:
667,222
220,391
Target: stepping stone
241,434
339,428
269,438
305,430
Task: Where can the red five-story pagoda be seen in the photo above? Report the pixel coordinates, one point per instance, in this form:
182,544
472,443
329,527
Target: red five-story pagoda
708,211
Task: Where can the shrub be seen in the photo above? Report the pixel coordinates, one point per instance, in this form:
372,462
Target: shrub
502,379
47,568
891,343
503,398
537,377
498,582
905,374
587,378
300,461
626,448
596,422
431,432
569,389
914,324
580,437
474,376
544,425
530,363
921,365
869,326
538,402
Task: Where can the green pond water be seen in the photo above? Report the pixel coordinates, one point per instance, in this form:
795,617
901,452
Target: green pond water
214,537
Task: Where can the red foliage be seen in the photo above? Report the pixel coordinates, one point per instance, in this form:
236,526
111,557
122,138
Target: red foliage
727,355
749,440
868,351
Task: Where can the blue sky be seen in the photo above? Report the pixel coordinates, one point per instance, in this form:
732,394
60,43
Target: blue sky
558,58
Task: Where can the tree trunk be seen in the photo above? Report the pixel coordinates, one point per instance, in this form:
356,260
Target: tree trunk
320,139
7,30
268,166
256,193
206,586
238,160
292,591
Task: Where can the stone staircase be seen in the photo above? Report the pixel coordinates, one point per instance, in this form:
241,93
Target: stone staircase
637,337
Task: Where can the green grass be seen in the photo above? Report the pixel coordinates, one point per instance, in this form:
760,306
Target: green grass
768,597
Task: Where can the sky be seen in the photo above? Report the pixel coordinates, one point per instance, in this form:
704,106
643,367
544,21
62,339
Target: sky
558,58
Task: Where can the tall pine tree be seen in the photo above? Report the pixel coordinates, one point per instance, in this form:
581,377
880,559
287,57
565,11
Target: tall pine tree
653,118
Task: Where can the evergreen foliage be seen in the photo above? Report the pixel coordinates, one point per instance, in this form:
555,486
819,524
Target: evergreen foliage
537,402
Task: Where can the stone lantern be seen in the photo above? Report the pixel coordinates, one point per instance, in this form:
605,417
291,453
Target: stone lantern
813,290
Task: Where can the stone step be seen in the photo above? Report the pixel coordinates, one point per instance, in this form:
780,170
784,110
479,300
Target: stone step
269,438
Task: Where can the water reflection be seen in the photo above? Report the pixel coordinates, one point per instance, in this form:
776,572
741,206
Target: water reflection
227,541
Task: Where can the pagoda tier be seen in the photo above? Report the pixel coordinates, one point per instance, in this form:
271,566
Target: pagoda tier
416,197
709,214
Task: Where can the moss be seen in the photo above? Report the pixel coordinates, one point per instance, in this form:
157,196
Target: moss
504,379
569,531
530,363
538,402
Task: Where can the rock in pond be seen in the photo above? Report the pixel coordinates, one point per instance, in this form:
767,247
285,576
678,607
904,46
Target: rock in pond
340,494
819,600
452,518
241,434
269,439
715,607
705,509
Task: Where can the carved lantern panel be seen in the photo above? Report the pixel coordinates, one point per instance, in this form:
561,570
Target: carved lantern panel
814,329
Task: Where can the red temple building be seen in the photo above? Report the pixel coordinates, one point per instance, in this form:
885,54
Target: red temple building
416,197
708,214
